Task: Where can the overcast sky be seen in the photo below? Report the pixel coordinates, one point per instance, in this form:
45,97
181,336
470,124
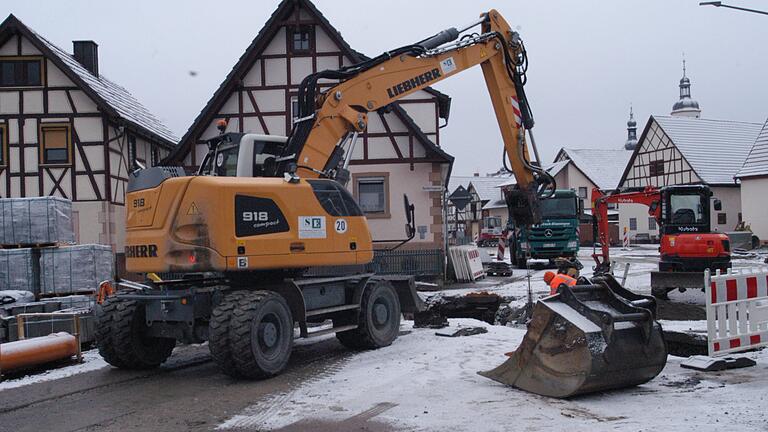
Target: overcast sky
589,60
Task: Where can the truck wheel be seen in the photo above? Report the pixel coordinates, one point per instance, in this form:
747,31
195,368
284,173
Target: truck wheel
218,333
379,319
260,334
121,336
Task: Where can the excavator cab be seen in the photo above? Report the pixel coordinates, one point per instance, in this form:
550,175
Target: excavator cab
234,154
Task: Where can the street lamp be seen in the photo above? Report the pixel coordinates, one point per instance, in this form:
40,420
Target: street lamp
720,4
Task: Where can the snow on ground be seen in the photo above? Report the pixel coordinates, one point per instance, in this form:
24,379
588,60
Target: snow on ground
424,382
91,361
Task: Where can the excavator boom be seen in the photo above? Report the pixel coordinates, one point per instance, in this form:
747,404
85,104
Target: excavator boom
377,83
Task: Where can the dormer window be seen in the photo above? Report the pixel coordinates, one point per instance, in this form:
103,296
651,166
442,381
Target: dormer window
301,39
21,72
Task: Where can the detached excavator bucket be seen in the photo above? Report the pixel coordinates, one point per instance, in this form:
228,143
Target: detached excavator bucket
586,338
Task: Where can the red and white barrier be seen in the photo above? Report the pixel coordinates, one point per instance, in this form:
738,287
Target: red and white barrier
466,263
502,246
737,310
625,239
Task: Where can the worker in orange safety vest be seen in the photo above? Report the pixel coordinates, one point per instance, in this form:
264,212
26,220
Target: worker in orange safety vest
555,280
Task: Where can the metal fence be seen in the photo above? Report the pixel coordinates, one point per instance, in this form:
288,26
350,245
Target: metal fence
419,262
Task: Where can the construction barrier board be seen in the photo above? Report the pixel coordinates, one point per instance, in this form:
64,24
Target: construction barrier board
737,310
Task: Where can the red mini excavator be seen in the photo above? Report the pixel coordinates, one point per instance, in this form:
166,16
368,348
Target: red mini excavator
688,246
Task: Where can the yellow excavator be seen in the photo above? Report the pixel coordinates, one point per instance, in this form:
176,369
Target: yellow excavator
262,209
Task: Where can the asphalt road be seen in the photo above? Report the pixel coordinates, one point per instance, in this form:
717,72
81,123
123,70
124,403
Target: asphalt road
188,393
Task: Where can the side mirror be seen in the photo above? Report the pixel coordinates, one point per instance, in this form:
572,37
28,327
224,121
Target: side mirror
580,207
718,205
410,228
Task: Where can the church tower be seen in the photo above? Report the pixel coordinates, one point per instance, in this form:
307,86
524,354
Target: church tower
686,107
631,142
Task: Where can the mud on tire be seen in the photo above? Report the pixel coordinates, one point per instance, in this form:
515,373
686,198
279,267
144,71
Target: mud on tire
121,338
260,334
218,333
379,319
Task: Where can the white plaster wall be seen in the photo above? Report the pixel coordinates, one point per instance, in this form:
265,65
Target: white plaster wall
731,199
401,181
753,205
10,47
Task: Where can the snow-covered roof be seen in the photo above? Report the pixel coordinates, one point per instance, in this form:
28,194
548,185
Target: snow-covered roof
456,181
110,96
756,163
603,166
487,188
715,149
495,203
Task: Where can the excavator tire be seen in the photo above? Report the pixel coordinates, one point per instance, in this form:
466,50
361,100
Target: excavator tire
260,334
120,338
379,319
218,333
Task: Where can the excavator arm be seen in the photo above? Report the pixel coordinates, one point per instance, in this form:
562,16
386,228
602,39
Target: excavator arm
649,196
323,138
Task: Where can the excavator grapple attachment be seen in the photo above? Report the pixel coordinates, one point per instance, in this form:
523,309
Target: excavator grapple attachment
586,338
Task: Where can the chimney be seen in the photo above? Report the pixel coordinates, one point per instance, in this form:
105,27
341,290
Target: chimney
87,54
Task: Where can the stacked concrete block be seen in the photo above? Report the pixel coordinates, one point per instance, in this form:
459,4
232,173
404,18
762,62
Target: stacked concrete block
32,221
20,270
74,269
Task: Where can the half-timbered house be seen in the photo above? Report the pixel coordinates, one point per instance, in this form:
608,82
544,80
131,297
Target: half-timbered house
398,154
67,131
677,150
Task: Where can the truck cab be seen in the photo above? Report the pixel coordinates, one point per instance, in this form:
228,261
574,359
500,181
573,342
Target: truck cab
556,236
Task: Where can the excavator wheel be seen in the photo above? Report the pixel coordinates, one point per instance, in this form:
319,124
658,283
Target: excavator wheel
121,338
218,333
379,319
260,334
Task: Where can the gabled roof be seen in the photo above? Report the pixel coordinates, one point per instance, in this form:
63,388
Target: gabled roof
110,97
756,163
487,188
604,167
715,149
250,55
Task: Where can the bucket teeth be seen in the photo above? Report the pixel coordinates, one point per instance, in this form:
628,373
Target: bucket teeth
586,339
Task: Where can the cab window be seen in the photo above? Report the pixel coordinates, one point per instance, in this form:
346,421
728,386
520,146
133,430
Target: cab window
334,199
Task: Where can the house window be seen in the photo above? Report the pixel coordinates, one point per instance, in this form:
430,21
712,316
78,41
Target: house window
613,206
3,143
722,219
21,72
582,192
651,224
656,168
155,156
300,39
55,143
132,157
294,109
633,224
372,193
